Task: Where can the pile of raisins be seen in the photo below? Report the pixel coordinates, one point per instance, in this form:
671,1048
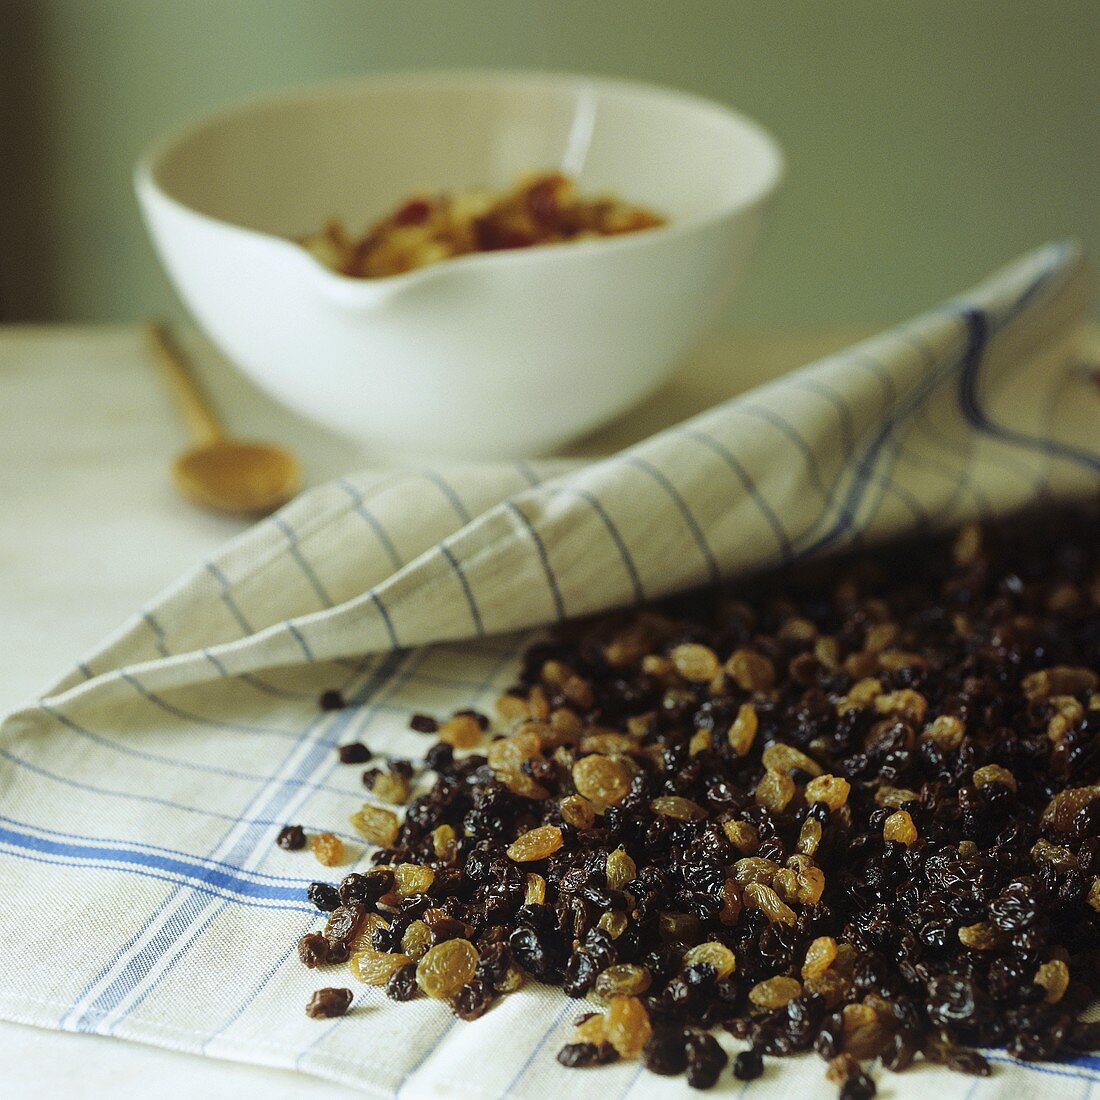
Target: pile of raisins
853,810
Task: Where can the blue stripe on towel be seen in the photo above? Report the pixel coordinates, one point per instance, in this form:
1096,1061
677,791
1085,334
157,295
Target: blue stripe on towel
220,880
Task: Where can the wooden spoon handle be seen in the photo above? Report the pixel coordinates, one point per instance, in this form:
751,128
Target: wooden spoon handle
202,421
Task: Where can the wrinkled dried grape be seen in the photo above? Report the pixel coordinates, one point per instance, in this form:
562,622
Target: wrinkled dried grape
678,927
327,848
343,923
534,891
1064,807
982,936
755,869
1053,976
775,790
578,812
757,896
1056,855
701,741
713,954
601,780
416,940
621,980
809,836
472,1001
819,956
536,844
730,902
354,752
946,731
620,869
705,1060
865,1034
665,1052
681,809
1061,680
375,967
614,924
401,984
742,835
628,1026
899,828
391,787
412,878
327,1003
512,708
786,758
748,1065
591,1029
323,896
463,731
444,842
446,968
861,695
751,671
840,1068
994,773
894,797
313,950
858,1086
696,663
576,1055
775,992
377,826
742,732
291,838
832,790
363,937
906,703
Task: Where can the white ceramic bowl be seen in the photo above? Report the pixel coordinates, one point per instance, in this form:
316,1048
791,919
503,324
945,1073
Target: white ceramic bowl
491,355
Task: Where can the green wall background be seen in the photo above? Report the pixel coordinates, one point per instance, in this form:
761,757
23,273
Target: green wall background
928,141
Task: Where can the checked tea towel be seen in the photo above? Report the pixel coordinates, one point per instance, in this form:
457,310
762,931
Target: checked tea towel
142,793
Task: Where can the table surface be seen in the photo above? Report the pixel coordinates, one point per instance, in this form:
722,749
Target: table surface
91,529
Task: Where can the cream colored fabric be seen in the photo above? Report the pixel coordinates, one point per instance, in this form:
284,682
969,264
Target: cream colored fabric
148,784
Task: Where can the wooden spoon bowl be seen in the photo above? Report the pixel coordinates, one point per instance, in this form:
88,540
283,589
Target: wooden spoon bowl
237,476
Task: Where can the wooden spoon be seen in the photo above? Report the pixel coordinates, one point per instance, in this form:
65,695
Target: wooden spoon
238,476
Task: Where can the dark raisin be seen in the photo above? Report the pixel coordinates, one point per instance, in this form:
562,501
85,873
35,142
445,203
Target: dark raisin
472,1000
665,1052
291,837
440,756
332,700
323,896
858,1086
313,950
354,752
583,1054
365,889
423,723
962,1060
705,1061
329,1002
401,984
748,1065
343,923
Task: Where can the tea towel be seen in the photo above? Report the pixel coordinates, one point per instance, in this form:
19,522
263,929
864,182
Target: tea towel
141,892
